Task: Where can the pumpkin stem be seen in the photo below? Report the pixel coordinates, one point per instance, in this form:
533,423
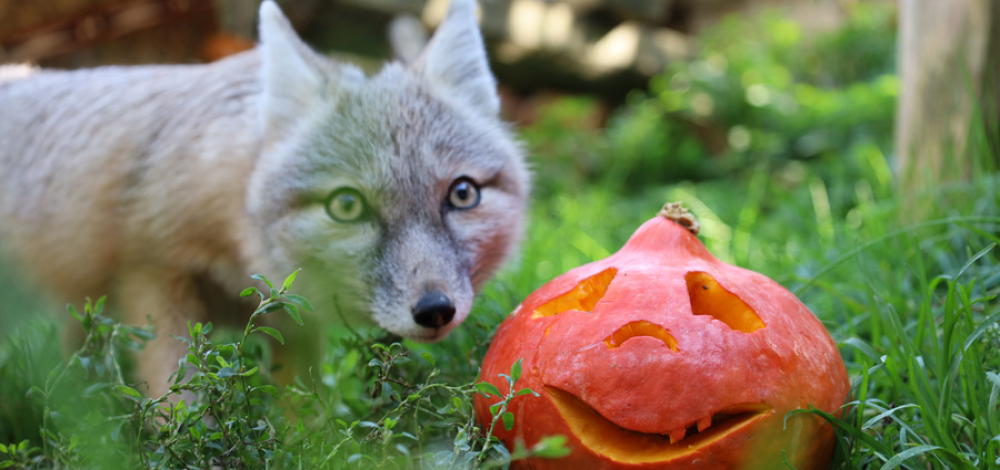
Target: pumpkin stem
676,212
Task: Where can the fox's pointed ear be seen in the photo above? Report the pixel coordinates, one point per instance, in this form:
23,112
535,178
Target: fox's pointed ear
455,59
290,73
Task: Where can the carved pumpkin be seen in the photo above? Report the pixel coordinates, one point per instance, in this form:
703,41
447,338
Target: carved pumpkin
662,356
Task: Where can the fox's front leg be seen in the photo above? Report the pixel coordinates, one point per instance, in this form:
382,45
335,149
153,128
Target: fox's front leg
168,300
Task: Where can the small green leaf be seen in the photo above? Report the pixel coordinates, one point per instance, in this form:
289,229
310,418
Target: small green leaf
226,372
515,370
271,332
227,349
510,381
36,394
289,280
6,463
99,306
520,451
551,447
3,449
72,311
301,301
525,391
487,389
508,420
270,307
428,357
269,389
248,292
24,445
127,391
194,330
261,277
293,311
250,372
144,334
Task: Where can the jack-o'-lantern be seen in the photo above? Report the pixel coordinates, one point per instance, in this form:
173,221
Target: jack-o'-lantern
662,356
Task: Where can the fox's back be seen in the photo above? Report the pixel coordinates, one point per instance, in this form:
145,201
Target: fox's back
90,156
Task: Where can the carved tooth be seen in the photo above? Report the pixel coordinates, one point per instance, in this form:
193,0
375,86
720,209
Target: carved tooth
703,424
677,435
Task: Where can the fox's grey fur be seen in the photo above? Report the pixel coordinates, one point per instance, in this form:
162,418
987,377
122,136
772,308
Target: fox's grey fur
154,182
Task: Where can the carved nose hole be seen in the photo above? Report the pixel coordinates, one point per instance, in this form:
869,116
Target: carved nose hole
640,328
708,297
583,297
433,310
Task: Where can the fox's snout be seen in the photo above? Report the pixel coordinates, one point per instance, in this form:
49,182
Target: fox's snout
433,310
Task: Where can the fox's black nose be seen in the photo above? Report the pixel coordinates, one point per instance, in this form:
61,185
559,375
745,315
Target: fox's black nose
433,310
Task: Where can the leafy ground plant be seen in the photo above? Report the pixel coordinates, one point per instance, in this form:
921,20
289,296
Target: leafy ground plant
223,411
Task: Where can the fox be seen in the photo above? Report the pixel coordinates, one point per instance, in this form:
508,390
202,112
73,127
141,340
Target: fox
398,194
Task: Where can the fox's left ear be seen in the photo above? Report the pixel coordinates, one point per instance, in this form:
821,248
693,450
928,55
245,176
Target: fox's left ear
455,59
291,73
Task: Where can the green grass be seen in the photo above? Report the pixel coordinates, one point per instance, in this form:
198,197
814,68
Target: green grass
912,306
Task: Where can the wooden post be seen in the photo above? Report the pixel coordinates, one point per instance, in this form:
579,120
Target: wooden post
948,54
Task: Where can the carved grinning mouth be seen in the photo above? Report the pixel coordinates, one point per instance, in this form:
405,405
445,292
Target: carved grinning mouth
623,445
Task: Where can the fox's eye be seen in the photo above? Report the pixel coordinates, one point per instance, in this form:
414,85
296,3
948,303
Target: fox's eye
347,205
464,194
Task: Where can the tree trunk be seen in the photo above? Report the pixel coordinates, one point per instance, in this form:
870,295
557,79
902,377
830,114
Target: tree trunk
949,53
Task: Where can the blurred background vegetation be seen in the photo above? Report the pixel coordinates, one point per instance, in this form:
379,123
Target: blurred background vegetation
775,121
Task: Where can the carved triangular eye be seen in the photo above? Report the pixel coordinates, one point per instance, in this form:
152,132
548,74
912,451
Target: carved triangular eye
583,297
708,297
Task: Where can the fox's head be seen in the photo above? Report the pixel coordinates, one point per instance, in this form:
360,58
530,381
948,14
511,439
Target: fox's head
400,193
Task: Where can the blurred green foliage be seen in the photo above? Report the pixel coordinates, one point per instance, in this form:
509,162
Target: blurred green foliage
757,92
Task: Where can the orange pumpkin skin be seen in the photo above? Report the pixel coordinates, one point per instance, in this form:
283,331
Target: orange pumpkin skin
680,344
